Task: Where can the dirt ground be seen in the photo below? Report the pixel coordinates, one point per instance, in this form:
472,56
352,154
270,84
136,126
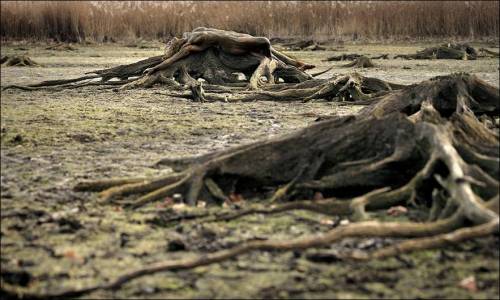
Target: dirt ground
53,238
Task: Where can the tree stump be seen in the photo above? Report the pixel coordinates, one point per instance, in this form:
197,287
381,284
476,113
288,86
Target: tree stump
445,51
18,61
434,145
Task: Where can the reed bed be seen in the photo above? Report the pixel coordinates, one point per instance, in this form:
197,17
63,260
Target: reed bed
102,21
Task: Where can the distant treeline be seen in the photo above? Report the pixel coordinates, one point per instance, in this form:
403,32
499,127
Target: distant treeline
103,21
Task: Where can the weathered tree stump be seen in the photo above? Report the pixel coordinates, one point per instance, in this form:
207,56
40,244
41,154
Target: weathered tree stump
211,64
17,61
422,144
283,81
450,96
445,51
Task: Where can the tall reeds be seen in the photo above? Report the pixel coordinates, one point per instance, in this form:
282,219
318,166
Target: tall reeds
75,21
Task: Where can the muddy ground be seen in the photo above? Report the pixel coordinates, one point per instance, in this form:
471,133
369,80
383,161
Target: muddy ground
53,238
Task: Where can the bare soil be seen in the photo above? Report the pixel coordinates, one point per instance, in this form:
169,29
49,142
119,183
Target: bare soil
53,238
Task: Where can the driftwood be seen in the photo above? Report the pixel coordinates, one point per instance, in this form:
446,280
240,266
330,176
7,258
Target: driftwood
445,51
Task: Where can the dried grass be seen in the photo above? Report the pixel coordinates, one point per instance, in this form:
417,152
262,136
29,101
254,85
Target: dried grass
76,21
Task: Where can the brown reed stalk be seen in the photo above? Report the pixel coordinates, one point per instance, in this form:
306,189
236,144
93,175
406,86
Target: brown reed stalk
75,21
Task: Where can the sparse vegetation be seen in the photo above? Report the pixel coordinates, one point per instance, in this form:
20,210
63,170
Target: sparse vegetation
54,239
215,166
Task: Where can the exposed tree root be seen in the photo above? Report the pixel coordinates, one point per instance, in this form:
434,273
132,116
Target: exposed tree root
432,242
322,72
361,62
263,76
352,88
445,51
420,145
336,169
431,128
342,57
131,70
354,56
488,53
381,56
61,47
442,232
17,61
308,45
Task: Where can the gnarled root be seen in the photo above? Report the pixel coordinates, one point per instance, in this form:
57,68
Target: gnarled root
400,153
441,233
353,88
428,150
216,65
445,51
360,62
17,61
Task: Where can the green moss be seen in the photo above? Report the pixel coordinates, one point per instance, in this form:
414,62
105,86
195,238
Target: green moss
88,133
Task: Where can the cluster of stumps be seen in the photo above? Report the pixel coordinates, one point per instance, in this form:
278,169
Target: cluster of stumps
435,143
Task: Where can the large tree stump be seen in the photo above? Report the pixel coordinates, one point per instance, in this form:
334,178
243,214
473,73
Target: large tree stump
328,145
212,64
422,144
274,78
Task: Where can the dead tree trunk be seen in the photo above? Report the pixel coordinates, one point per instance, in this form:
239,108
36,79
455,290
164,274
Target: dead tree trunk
332,146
